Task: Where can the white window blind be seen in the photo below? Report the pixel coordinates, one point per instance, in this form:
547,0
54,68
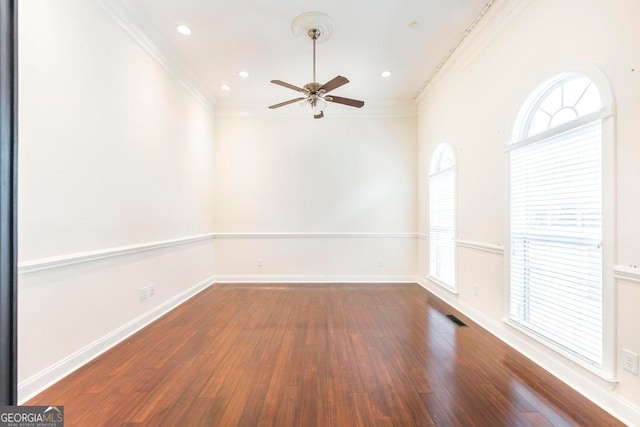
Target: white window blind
442,226
556,240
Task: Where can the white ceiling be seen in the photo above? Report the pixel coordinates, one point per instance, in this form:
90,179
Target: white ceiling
255,35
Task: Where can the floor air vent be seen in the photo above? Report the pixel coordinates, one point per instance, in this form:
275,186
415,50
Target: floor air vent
455,320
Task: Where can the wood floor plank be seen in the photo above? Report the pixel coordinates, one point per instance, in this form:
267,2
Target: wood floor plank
316,355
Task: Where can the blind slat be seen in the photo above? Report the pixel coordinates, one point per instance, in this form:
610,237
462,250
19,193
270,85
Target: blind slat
556,235
441,226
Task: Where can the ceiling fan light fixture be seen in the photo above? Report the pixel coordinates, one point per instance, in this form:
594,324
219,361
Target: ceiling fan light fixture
320,105
314,106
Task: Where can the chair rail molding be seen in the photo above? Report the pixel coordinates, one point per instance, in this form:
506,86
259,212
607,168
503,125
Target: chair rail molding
481,246
627,273
90,256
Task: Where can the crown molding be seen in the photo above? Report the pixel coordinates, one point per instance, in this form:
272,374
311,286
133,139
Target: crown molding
451,51
120,11
371,109
492,20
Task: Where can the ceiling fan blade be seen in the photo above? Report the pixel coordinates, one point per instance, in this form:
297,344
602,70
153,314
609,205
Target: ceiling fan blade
346,101
319,115
288,85
334,83
282,104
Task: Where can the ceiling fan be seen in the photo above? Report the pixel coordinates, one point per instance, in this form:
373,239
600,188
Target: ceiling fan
315,96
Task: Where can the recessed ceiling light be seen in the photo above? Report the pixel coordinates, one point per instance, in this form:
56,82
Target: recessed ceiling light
243,74
184,30
385,74
225,87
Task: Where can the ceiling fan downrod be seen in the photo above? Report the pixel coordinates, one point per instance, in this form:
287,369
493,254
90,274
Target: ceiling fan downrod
314,34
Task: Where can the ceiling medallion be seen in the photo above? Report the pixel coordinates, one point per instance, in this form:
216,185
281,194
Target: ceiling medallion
302,24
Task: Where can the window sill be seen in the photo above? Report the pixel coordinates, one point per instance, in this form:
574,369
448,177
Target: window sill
600,373
443,285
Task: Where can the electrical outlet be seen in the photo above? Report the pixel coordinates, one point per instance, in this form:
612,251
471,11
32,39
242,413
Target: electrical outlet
380,263
152,290
259,262
630,361
476,290
144,292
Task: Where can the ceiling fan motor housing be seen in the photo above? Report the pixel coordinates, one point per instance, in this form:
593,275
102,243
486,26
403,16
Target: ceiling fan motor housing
312,88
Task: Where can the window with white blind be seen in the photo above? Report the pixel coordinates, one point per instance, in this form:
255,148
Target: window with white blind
442,214
556,219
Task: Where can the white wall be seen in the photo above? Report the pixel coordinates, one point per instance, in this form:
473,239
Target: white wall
114,152
118,166
327,199
472,106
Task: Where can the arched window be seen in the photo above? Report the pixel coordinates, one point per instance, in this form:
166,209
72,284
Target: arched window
556,217
442,215
565,99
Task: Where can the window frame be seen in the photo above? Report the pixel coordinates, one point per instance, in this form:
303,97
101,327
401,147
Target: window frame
434,170
607,116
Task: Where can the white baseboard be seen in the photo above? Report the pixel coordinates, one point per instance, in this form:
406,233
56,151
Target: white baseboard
602,396
316,235
314,279
37,383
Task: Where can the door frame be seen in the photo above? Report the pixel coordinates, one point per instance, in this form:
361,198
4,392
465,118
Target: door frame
8,202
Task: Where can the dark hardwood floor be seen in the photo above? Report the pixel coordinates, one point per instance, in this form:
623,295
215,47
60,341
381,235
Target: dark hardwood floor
316,355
